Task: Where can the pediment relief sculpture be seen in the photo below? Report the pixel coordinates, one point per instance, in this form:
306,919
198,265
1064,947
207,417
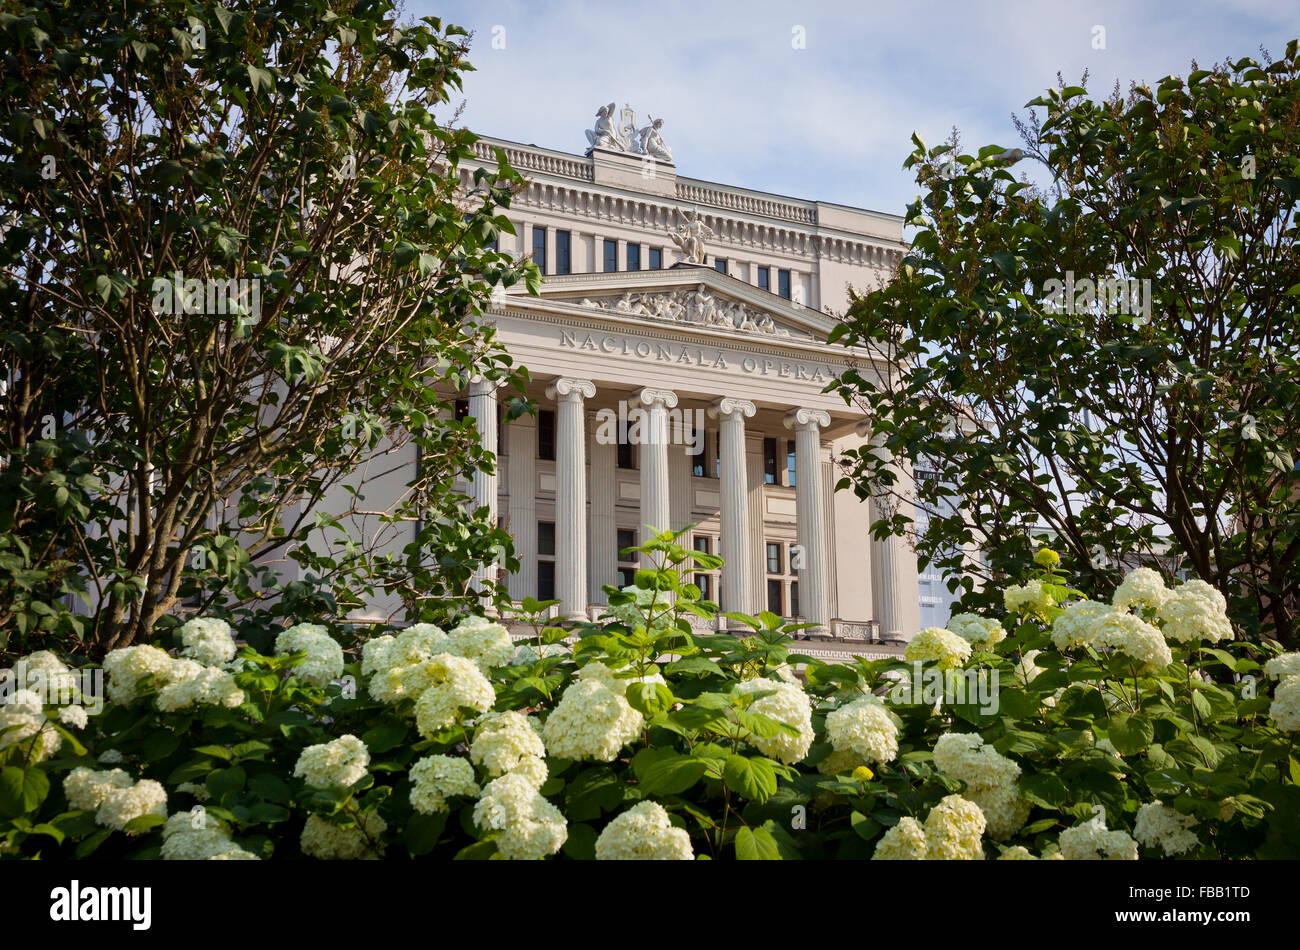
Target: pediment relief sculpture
697,306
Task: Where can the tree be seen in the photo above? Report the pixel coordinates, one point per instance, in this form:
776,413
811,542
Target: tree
1113,359
240,260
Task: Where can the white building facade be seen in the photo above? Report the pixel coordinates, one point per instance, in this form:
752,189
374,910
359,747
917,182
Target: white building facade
678,355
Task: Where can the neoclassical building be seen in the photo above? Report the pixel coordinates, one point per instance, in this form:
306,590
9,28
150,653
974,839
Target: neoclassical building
678,352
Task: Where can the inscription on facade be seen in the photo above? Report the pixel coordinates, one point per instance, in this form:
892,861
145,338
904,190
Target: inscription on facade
617,344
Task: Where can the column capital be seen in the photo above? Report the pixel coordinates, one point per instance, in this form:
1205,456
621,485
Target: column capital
650,397
570,388
731,406
863,429
482,386
807,419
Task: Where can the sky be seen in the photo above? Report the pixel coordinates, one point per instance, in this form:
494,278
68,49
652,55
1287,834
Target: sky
818,100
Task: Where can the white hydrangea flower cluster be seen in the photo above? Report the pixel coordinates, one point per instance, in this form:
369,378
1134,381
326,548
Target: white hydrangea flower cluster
593,719
190,683
981,633
1076,627
486,643
197,836
953,831
1159,825
1282,666
127,667
990,779
45,673
510,742
435,778
641,613
330,842
1026,668
1092,841
22,717
339,764
788,704
85,789
74,717
947,650
1285,708
1141,587
1134,637
1195,611
1020,853
531,827
1030,598
455,682
861,733
643,833
415,644
324,662
527,654
207,640
121,805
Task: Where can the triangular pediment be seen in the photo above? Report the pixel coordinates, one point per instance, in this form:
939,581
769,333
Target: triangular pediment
689,297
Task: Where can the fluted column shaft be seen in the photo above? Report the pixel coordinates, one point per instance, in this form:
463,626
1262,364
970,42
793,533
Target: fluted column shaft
602,549
521,436
655,510
736,543
895,591
571,494
810,513
483,484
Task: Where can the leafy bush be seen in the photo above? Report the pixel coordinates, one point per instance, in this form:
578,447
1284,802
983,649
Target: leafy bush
1139,728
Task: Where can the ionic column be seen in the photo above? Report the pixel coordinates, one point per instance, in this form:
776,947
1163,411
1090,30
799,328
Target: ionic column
483,484
571,494
654,461
736,543
521,476
894,582
603,531
810,513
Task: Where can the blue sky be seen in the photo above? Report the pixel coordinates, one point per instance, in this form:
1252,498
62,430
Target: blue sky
830,121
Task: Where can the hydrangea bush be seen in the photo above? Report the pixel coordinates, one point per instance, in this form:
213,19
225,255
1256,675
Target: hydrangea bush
1139,728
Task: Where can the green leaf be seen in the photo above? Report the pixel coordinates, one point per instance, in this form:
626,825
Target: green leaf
87,847
386,736
1130,734
1044,789
756,845
270,787
225,781
669,774
21,790
752,778
421,833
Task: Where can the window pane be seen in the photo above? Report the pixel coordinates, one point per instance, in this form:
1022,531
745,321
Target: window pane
626,457
546,434
634,257
720,265
783,283
462,409
611,256
789,461
539,248
546,538
626,576
702,543
794,599
764,278
773,558
562,239
774,598
656,259
769,461
626,539
545,580
704,583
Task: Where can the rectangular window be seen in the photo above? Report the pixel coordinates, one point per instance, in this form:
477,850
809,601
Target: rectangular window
545,580
546,538
656,259
773,558
790,462
774,599
546,434
794,599
765,278
705,583
626,539
462,409
769,461
720,265
626,576
783,283
700,463
633,256
702,543
626,455
563,242
611,256
539,248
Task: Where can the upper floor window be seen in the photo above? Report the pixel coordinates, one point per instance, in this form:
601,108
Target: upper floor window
769,461
783,283
563,242
765,278
626,455
611,256
634,257
546,434
720,265
462,409
790,462
539,248
656,259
